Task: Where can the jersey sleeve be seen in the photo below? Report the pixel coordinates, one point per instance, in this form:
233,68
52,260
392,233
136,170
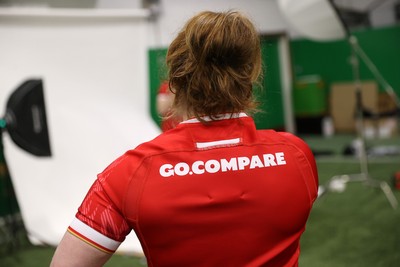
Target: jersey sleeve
100,221
312,182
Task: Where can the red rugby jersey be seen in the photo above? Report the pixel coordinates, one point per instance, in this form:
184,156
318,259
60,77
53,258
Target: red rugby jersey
222,194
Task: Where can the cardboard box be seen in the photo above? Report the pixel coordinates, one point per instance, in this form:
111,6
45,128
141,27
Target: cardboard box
342,101
386,124
386,104
343,110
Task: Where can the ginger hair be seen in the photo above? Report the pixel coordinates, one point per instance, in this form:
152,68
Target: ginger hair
213,64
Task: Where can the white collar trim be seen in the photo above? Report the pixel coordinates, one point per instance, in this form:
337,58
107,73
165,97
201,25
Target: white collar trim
219,117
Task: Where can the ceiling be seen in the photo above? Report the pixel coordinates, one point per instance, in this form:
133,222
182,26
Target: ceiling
368,13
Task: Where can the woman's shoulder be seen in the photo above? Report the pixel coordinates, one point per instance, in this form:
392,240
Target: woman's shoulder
283,137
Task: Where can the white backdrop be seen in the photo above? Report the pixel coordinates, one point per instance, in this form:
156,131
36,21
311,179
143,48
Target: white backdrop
94,69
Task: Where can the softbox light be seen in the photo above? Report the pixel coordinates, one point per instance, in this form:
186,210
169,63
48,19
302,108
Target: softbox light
315,19
25,118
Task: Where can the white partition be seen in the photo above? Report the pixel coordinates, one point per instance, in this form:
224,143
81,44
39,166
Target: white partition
94,68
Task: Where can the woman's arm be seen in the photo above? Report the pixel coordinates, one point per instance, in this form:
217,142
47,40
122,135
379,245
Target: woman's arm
74,252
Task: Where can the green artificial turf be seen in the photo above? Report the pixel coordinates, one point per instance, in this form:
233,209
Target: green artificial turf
355,228
37,256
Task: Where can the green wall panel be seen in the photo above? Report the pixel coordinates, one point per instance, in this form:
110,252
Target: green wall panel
270,96
157,74
331,60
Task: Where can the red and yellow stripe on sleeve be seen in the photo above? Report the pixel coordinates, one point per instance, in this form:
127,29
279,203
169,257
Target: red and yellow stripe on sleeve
93,237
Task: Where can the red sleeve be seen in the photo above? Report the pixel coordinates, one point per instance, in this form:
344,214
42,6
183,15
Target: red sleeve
312,182
100,220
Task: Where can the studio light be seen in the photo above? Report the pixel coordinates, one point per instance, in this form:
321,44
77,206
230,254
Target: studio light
25,118
26,123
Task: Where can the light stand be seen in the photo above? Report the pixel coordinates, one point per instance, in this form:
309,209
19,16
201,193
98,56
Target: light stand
25,121
363,176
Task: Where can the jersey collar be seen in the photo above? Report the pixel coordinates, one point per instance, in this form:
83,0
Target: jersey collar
218,117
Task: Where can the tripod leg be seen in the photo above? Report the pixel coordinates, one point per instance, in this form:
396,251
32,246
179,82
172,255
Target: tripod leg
389,194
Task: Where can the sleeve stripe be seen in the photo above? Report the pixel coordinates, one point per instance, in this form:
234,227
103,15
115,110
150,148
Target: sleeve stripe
92,237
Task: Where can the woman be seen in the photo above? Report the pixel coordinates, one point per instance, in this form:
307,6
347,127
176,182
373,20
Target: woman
214,191
164,101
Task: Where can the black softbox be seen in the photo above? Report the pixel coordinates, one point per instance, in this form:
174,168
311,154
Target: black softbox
25,118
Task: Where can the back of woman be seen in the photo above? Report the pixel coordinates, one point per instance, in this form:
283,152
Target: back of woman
213,191
222,195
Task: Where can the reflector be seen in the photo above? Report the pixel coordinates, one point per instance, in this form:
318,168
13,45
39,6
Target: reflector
315,19
25,118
